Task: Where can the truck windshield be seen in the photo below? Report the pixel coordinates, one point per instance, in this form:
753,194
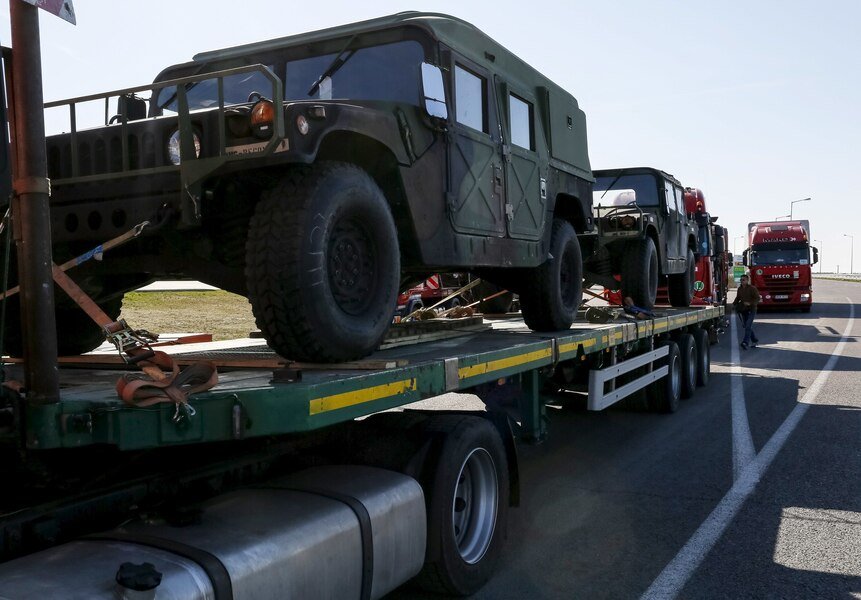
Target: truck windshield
780,254
645,187
387,72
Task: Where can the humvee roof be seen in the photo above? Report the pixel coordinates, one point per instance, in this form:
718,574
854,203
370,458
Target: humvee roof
565,116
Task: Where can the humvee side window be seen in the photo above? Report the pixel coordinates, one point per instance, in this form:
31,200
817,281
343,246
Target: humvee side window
470,98
520,117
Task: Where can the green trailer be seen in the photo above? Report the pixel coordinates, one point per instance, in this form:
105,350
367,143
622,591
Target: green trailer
264,417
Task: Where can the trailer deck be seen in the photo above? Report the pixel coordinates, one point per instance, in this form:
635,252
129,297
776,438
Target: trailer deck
251,402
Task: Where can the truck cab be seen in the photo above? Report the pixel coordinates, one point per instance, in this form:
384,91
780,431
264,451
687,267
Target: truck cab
779,259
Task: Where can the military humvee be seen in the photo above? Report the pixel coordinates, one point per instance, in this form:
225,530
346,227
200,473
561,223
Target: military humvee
317,173
644,234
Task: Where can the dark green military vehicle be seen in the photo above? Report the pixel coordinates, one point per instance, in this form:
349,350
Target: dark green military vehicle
317,173
645,235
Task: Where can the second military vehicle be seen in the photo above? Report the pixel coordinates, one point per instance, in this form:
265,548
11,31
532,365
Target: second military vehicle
318,173
644,234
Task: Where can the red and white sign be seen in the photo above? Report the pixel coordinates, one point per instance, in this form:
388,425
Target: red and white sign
61,8
433,282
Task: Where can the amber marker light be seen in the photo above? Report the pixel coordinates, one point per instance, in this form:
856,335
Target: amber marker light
262,118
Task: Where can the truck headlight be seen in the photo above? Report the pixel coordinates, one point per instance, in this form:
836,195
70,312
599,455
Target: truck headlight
805,297
173,147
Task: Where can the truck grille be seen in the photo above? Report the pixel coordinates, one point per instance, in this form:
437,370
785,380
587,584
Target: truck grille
102,155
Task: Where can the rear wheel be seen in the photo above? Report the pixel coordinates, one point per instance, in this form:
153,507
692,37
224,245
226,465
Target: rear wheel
552,292
76,331
680,287
499,305
640,272
665,393
467,497
322,264
688,352
704,357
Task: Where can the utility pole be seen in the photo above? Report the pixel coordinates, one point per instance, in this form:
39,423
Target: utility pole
31,210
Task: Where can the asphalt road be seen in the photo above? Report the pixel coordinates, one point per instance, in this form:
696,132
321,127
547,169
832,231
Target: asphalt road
751,490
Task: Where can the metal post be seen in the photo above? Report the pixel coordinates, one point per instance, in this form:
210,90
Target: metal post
31,210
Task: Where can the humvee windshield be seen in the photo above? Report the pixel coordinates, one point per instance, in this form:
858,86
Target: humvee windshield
390,72
644,186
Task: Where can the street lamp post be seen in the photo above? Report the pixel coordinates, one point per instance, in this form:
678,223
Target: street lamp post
795,202
820,253
851,253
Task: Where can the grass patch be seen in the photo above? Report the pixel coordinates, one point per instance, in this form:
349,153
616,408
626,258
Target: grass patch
226,316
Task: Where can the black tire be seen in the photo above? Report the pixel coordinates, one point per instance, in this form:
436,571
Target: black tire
552,292
467,497
495,306
76,331
704,356
322,264
640,272
680,287
665,393
688,351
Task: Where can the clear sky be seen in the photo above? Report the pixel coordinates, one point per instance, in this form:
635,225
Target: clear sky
757,103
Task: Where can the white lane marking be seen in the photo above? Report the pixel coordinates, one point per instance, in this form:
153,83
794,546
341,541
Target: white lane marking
676,574
743,451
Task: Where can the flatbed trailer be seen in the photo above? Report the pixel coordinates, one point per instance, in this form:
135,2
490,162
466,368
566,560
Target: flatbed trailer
251,402
434,487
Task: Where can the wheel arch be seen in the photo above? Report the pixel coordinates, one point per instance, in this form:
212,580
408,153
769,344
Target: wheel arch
380,162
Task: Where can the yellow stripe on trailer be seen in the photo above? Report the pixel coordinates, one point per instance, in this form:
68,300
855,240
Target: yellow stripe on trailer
336,401
502,363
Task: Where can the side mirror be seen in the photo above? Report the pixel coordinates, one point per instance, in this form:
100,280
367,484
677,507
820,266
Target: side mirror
744,257
815,255
434,91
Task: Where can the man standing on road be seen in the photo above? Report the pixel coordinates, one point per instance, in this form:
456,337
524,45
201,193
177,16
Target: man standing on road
746,300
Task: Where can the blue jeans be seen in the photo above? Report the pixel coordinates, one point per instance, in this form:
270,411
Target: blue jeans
747,323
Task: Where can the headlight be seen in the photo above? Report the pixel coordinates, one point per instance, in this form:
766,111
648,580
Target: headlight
173,147
628,222
302,125
805,297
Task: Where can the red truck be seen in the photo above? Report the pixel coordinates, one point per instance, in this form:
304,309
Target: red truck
778,256
713,261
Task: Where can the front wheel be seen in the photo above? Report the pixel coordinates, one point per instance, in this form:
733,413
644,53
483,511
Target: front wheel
551,293
640,272
322,264
467,497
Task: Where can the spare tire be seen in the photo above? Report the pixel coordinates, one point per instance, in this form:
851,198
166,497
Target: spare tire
322,264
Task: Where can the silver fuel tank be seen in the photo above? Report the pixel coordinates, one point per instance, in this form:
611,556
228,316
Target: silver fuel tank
327,532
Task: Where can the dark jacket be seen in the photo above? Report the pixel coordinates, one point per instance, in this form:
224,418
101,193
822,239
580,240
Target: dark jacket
746,298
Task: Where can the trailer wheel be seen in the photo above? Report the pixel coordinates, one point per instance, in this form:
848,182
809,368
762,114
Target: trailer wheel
640,272
704,357
552,292
688,352
680,287
665,393
322,264
76,331
467,496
